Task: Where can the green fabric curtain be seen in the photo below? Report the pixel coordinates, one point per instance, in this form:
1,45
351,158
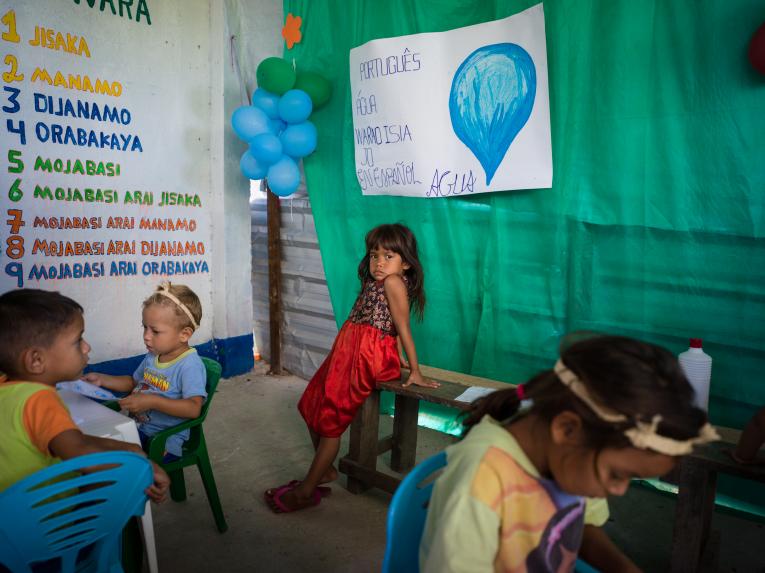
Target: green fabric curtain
654,226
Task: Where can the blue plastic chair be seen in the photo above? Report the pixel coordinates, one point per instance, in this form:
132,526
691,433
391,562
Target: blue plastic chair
406,519
52,514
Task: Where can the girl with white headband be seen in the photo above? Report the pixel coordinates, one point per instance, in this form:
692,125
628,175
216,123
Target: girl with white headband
169,386
514,494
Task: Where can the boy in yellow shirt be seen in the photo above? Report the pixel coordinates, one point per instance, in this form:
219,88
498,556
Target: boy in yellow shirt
41,343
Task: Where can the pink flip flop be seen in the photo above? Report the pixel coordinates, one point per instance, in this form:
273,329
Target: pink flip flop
324,490
277,505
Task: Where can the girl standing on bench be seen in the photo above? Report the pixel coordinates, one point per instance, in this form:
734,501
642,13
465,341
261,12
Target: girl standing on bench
368,349
512,495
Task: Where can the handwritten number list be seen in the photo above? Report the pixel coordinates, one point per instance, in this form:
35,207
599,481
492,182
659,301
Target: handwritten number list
70,138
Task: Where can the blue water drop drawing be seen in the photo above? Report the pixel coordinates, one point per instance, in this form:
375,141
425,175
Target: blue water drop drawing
491,99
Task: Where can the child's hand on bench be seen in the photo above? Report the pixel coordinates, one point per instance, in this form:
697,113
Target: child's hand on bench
750,442
757,461
416,378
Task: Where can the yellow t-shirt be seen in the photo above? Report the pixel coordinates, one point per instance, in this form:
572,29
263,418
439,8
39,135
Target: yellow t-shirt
492,511
31,415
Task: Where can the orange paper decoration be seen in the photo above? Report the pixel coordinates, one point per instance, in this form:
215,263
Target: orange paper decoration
291,31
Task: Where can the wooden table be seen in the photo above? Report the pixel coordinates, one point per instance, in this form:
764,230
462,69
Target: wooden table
694,547
360,465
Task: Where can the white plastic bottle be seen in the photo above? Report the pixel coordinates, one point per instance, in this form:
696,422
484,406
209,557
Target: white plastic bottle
697,366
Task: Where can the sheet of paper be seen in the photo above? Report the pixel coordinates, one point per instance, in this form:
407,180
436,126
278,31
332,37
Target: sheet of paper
473,393
87,389
457,112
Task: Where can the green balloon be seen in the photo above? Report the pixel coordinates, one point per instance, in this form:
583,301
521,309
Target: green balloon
275,75
317,87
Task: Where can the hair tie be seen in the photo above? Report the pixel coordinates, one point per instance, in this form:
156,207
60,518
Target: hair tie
164,290
520,391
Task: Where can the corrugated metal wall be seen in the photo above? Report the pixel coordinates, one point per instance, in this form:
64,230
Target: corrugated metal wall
309,326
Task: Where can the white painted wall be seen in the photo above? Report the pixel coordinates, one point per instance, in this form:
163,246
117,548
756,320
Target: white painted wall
254,33
176,86
232,298
256,27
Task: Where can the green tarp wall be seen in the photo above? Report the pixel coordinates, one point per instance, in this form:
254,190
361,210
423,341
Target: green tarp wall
653,227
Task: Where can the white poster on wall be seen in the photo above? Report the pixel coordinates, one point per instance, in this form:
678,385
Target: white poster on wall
105,165
454,113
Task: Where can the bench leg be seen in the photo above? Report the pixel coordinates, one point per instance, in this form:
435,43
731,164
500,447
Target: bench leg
363,439
404,433
693,515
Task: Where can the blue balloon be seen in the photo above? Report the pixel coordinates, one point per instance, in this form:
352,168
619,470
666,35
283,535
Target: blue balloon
295,106
299,140
251,167
249,121
277,126
491,100
266,148
266,101
283,177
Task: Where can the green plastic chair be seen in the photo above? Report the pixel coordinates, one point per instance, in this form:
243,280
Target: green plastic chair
194,451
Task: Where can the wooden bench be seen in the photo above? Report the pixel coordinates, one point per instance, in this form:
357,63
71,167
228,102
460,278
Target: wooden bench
694,546
360,465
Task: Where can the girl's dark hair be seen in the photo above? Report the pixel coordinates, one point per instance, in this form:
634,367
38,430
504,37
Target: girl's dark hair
399,239
635,378
31,317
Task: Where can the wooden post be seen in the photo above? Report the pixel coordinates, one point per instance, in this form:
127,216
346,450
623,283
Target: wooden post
274,280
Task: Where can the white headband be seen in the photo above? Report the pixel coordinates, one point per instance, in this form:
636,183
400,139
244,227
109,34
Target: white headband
643,435
164,290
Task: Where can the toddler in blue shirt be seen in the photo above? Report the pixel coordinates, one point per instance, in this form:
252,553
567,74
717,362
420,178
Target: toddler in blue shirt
169,385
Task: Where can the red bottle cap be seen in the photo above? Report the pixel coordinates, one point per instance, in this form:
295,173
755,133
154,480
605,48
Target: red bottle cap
695,343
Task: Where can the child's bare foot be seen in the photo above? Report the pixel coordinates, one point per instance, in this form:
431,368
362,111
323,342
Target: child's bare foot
324,491
287,499
329,476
